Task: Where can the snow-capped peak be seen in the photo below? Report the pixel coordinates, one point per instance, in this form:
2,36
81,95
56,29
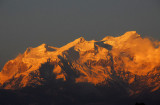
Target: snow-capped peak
130,35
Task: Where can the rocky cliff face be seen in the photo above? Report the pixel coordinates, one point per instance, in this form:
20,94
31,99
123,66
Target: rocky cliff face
128,62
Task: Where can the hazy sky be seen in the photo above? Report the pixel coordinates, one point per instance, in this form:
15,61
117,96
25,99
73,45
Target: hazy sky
25,23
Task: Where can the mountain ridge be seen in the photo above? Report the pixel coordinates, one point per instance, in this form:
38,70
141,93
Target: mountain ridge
127,61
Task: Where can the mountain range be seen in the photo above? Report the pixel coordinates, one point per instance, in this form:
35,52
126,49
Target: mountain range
113,71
